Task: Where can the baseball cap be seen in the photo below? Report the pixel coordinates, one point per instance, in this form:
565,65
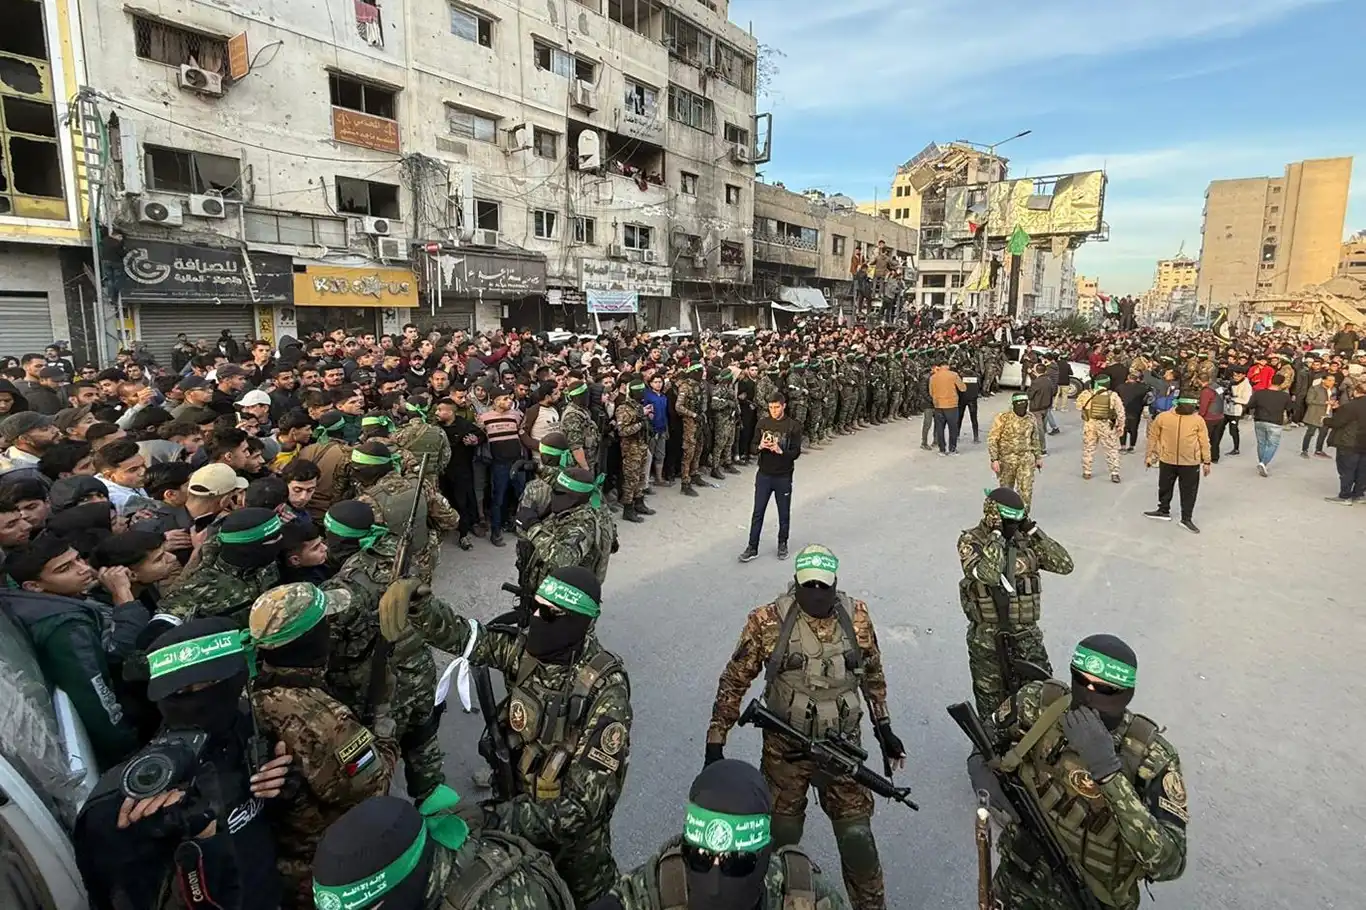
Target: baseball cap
16,425
817,563
229,370
67,418
252,398
190,383
215,480
52,373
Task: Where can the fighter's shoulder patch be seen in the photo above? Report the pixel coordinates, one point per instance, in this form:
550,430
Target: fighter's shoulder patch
1173,797
606,749
355,747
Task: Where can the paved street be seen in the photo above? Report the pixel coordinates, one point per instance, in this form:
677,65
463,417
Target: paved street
1248,644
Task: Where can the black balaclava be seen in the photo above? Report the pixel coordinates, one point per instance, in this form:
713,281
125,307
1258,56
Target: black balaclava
561,499
1109,658
353,514
308,651
560,443
816,599
216,706
367,474
251,538
1019,403
733,788
1009,509
557,638
369,838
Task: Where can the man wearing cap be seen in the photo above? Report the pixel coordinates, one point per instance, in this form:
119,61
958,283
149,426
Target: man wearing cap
819,654
1109,784
1014,447
380,484
29,435
256,404
45,396
198,394
1102,414
227,582
727,859
567,719
1179,446
342,763
230,380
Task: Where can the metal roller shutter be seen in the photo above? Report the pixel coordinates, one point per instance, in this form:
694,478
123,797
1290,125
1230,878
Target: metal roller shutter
160,323
25,324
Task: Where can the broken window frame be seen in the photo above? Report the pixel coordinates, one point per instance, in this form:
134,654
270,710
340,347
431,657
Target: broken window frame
375,100
545,143
735,66
545,224
637,236
585,229
482,31
687,183
732,253
191,166
385,208
644,13
159,41
480,127
737,135
734,194
48,182
488,212
641,98
691,109
688,41
265,226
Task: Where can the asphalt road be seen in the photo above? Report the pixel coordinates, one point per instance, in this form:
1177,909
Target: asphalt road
1249,650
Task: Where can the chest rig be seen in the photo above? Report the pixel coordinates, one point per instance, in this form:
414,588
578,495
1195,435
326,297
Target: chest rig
545,725
669,884
1024,603
814,684
1099,407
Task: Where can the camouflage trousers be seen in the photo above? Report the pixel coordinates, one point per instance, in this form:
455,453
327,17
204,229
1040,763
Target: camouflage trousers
799,410
586,864
848,402
722,439
828,415
1018,474
634,454
880,399
1020,886
988,683
894,405
1099,431
812,427
849,807
692,449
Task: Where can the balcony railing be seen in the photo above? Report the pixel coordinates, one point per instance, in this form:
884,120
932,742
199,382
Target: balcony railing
787,240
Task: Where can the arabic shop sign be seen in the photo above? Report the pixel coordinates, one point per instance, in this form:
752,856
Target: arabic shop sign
491,277
615,302
153,270
326,285
615,275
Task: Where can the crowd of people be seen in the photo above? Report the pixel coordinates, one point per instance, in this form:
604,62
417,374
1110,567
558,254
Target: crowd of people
267,518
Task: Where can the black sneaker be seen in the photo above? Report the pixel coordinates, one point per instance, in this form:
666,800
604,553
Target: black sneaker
496,538
750,554
1189,526
1159,515
782,549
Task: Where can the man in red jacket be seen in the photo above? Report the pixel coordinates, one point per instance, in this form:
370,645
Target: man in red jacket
1261,374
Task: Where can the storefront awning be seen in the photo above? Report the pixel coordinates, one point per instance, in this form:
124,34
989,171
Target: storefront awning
803,298
787,308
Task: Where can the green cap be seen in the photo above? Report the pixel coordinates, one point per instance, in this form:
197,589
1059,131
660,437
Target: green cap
286,612
567,597
817,563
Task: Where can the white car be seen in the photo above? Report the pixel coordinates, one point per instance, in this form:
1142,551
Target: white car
1012,372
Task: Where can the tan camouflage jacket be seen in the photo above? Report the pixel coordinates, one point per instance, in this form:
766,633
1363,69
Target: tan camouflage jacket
1013,437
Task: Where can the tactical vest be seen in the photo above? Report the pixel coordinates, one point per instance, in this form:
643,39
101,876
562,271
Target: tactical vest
811,684
1099,407
545,727
1076,810
669,884
1024,603
500,856
424,439
395,502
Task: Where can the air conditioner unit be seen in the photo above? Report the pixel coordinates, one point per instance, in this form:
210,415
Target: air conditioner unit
392,248
154,211
616,251
699,261
200,81
376,227
584,97
740,154
209,205
484,238
650,256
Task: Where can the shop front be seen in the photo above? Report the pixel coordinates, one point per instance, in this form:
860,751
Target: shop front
480,290
626,293
167,289
357,299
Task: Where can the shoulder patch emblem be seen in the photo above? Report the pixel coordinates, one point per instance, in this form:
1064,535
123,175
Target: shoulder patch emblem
1173,798
517,716
613,738
358,744
1081,781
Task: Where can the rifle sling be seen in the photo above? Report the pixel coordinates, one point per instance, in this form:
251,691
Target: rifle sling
1011,761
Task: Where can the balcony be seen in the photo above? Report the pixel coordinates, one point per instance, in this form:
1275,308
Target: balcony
796,242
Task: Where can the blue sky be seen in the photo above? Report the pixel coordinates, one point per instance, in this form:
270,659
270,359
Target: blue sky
1166,95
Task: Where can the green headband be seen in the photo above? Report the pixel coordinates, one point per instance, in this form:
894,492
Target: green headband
321,433
564,455
268,528
1188,401
694,368
564,595
364,458
378,421
825,562
577,390
296,627
416,409
1020,396
720,832
448,830
578,486
1115,672
1010,513
1102,380
185,654
367,538
637,386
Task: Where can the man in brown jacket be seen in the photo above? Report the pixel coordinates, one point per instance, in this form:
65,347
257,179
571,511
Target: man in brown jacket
945,385
1178,443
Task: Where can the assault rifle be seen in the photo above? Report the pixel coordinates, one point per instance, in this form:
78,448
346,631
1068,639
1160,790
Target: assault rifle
1027,811
1000,598
836,755
493,746
403,556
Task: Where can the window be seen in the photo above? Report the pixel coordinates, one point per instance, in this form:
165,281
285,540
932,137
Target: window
933,281
487,215
174,46
1268,252
735,67
470,125
692,110
1274,209
687,183
737,136
471,27
641,98
545,224
1271,228
177,171
732,253
732,194
561,63
957,280
545,143
355,95
362,197
1268,266
837,245
303,230
594,5
30,157
687,41
1275,189
635,236
585,229
634,14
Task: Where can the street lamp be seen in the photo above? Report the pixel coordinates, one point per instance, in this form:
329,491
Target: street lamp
986,221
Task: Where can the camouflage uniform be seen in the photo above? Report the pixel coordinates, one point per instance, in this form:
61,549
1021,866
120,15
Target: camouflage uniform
635,450
570,766
1102,411
418,438
355,635
849,805
724,410
494,871
1014,442
798,396
792,883
896,386
218,589
1127,829
537,493
832,399
815,409
391,498
581,430
879,381
689,408
982,551
581,536
849,380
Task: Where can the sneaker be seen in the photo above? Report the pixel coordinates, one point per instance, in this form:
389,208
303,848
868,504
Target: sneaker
496,538
1114,478
1159,515
1234,452
1322,455
1304,454
1261,469
1338,500
782,549
927,448
750,554
943,454
1055,432
465,543
1189,526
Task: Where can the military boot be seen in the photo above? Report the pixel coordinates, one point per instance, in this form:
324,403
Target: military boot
687,489
642,508
628,513
730,469
716,472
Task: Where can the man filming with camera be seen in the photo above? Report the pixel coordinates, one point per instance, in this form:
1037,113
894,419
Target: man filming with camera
182,824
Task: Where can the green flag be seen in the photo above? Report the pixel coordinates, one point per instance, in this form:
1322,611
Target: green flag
1019,240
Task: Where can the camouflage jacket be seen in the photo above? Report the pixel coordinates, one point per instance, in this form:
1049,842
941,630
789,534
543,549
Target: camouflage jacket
877,374
354,630
218,589
724,404
688,402
639,888
763,391
631,422
420,439
523,877
1013,438
797,389
439,514
579,428
582,536
757,641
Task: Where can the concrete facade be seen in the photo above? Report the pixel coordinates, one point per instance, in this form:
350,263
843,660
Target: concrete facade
1352,259
1180,272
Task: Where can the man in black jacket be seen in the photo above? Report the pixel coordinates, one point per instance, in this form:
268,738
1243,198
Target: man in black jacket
1348,421
780,445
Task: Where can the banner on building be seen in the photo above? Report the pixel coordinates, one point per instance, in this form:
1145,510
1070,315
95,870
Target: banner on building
154,270
603,302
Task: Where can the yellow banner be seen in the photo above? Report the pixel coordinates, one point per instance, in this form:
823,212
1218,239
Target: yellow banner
327,285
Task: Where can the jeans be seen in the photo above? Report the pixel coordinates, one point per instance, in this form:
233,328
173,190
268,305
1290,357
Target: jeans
1168,475
1351,474
1129,438
503,479
1231,425
1050,419
481,486
780,488
926,425
1309,434
1268,440
946,419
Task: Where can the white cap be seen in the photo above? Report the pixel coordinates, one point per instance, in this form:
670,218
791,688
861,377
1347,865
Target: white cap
254,397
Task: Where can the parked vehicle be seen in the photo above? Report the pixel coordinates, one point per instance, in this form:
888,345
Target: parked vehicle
1012,371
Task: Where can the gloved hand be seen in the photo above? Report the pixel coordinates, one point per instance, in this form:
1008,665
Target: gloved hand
393,607
893,752
715,752
1027,525
1087,734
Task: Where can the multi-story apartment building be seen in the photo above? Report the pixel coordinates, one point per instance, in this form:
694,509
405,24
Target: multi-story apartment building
1352,259
1273,235
1179,272
1088,296
289,165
